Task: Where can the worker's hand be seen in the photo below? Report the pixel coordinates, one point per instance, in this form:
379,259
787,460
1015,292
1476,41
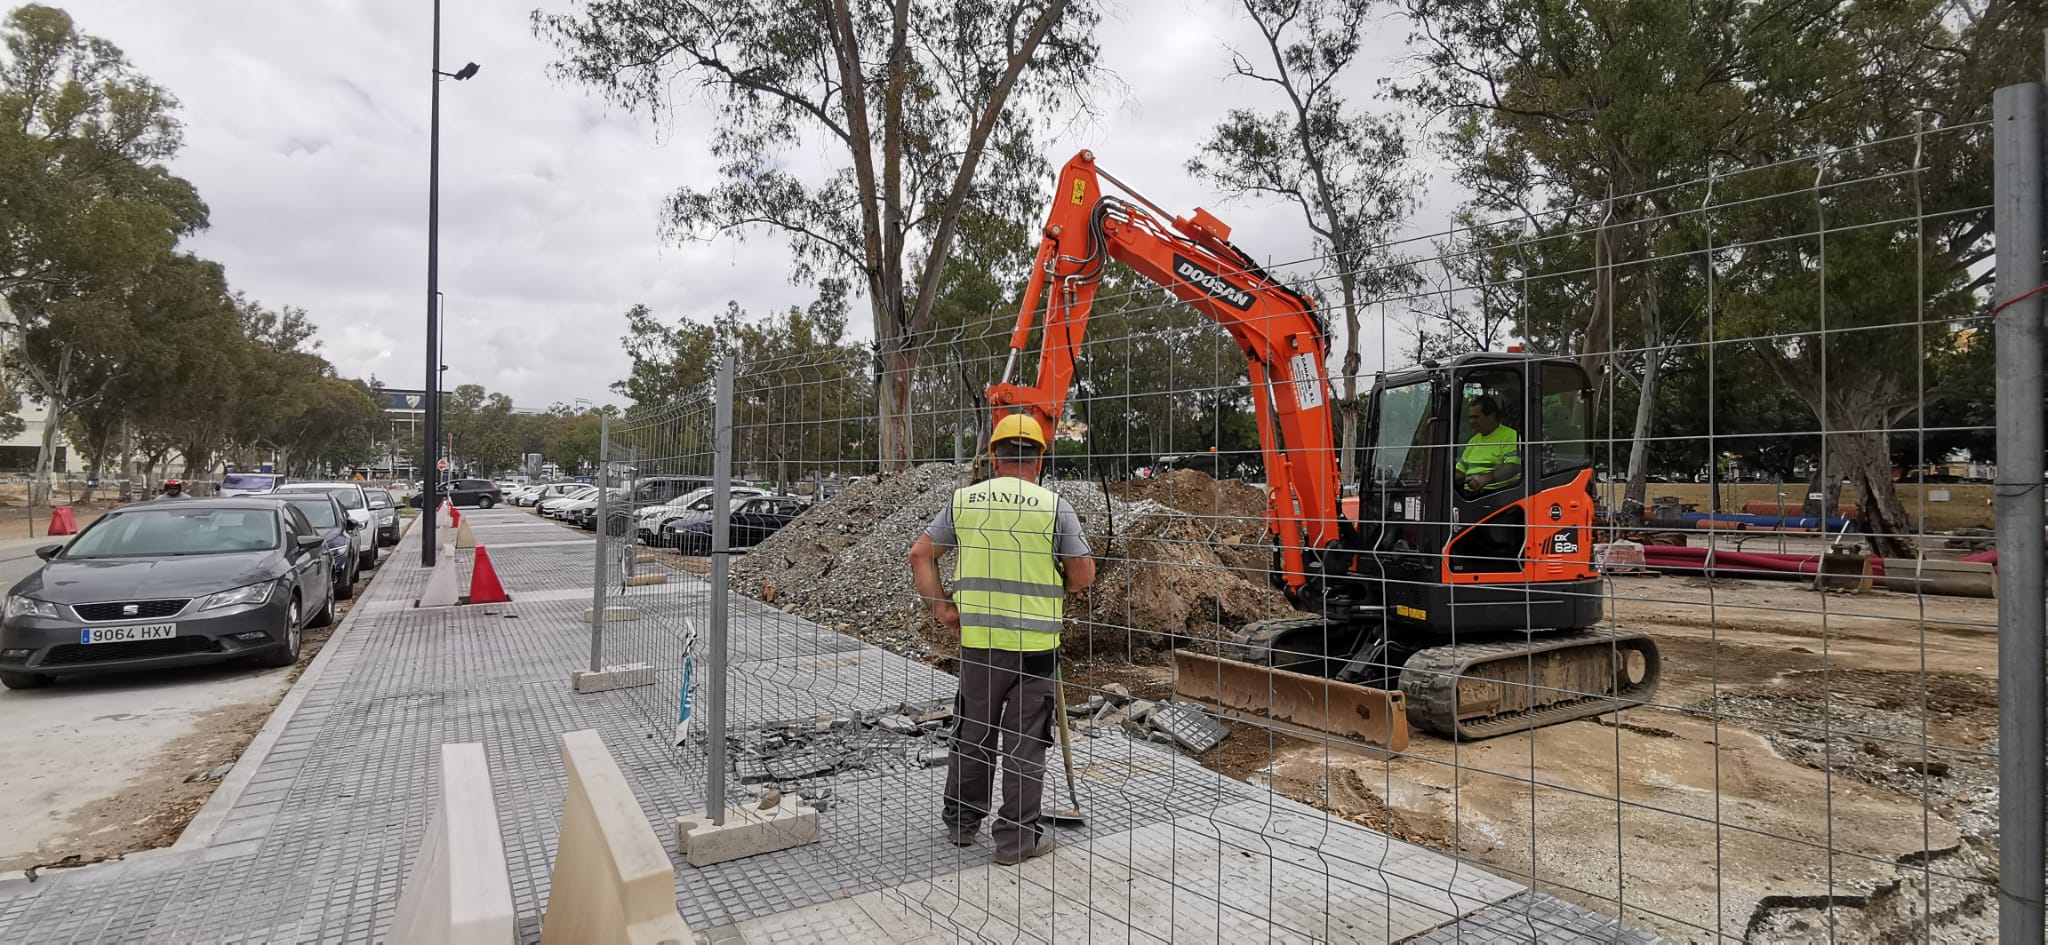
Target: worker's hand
948,613
1476,480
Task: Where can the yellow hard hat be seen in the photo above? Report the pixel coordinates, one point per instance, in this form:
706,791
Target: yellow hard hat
1019,426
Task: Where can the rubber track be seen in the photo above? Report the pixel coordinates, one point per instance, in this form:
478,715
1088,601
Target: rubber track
1430,679
1254,643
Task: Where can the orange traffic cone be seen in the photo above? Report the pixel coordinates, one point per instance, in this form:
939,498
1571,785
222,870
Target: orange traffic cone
483,581
62,522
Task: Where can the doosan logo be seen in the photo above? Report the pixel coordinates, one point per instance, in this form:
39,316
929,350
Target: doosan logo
1193,273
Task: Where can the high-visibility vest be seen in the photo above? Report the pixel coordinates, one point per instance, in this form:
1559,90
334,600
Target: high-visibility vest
1487,451
1007,581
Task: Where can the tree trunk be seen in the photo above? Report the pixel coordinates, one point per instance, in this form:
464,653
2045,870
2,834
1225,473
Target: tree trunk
1636,499
46,453
897,365
1347,410
1863,456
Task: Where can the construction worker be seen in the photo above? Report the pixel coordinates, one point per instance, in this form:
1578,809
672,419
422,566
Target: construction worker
173,489
1020,552
1492,458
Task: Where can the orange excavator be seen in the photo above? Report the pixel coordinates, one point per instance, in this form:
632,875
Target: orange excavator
1467,606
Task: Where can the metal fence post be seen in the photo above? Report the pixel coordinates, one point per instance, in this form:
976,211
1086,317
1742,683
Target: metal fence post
721,565
597,581
2018,211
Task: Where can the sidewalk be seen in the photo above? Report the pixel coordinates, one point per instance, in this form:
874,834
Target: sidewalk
311,836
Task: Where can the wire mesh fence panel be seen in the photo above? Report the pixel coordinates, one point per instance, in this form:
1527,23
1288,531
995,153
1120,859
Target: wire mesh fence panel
1630,582
656,470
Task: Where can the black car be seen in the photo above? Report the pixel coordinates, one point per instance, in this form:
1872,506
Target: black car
753,519
327,516
159,584
465,493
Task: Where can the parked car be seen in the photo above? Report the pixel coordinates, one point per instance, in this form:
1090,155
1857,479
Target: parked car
385,508
345,539
555,506
158,584
466,493
654,490
234,484
649,522
545,491
582,513
753,519
355,502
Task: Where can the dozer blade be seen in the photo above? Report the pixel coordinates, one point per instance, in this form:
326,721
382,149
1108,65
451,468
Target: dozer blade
1373,716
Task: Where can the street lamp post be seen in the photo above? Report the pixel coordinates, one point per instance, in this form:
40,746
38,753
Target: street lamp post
431,475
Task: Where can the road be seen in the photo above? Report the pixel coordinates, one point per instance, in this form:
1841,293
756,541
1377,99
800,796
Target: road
97,766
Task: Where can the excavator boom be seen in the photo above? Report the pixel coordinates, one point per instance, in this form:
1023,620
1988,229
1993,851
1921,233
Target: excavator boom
1278,330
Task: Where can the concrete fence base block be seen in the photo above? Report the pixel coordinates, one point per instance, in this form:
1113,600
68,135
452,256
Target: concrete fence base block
746,832
442,588
644,558
459,891
642,580
612,677
613,614
612,883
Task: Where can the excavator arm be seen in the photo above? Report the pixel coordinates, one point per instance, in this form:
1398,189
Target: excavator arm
1283,339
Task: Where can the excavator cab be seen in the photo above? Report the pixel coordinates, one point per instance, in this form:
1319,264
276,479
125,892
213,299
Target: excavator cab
1475,513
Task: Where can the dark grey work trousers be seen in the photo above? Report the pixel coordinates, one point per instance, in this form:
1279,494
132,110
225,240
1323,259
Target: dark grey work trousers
1005,707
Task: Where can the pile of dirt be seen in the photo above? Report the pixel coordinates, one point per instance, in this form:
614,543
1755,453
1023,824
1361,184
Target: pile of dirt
1193,492
1187,561
1174,579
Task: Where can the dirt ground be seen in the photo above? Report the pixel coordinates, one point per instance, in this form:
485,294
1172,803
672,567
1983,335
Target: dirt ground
1788,724
163,795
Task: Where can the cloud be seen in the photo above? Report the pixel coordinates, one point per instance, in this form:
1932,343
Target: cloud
306,132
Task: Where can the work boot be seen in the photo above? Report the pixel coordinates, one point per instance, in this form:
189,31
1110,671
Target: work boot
1045,845
963,836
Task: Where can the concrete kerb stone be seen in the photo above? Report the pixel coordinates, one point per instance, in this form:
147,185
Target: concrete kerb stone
746,832
459,890
627,676
612,883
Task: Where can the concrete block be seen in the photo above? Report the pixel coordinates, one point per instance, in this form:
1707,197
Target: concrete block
459,891
645,557
464,538
746,832
612,883
642,580
613,614
626,676
443,584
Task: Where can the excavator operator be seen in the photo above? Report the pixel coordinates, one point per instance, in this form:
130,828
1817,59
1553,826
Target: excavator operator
1492,458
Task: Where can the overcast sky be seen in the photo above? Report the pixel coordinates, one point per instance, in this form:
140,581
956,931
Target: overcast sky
306,133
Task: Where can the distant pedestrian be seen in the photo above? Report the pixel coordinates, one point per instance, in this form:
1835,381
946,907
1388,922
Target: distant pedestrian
174,489
1019,553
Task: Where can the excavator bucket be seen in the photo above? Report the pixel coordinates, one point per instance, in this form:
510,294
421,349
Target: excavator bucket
1245,690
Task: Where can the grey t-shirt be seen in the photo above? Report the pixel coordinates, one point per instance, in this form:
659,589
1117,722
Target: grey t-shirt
1067,540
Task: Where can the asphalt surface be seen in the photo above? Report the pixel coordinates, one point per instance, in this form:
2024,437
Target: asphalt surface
81,742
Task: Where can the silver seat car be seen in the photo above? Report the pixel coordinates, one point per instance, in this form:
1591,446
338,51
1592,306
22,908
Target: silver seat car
159,584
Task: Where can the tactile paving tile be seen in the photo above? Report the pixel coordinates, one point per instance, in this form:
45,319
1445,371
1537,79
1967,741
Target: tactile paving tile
347,796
